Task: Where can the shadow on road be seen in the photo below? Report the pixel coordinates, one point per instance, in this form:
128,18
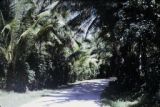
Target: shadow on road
79,94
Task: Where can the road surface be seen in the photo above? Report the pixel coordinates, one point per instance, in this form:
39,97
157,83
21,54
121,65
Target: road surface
81,94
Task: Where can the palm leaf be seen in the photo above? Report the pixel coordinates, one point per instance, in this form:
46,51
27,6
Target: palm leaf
7,53
2,21
90,26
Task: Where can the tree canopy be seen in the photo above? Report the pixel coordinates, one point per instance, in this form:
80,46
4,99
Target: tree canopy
47,43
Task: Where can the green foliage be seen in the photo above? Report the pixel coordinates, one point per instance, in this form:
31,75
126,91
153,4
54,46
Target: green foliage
131,32
40,50
43,46
22,36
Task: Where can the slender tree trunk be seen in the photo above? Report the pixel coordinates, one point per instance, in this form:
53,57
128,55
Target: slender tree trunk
10,82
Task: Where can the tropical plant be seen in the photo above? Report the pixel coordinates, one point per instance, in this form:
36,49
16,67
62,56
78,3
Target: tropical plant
23,35
132,32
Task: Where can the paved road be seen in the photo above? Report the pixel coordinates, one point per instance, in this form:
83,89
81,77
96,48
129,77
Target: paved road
81,94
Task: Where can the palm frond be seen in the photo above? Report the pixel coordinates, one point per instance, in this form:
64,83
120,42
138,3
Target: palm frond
7,27
2,21
7,53
90,26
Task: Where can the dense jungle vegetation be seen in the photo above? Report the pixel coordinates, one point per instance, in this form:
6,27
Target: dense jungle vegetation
47,43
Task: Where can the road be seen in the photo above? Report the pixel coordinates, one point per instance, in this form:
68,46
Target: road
80,94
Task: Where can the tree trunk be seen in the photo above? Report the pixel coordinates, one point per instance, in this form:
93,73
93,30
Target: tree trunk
10,82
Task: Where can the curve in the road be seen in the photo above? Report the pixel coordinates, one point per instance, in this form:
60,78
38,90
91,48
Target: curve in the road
82,94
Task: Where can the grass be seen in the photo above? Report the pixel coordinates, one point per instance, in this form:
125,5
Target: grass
113,96
148,101
12,99
118,103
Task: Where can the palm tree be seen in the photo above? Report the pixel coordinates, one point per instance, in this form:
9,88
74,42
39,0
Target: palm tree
23,33
126,22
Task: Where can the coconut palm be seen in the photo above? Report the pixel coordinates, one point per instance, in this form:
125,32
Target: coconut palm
26,31
124,24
